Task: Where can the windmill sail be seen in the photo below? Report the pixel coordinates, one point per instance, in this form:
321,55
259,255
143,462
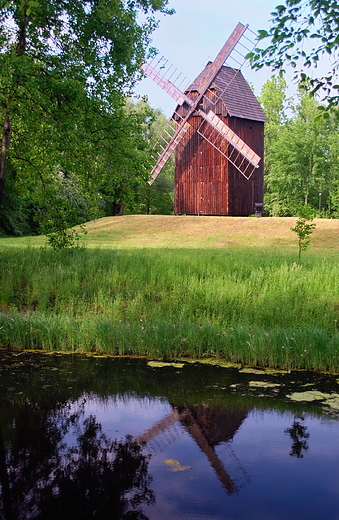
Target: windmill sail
191,424
212,129
166,85
239,153
231,137
167,152
220,59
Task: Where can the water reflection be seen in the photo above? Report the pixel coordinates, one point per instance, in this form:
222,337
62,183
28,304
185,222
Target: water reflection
208,427
42,477
298,432
113,439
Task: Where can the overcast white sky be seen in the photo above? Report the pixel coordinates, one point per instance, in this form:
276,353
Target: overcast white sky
195,34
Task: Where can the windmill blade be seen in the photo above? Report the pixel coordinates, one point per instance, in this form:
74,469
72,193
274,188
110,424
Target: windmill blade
231,137
194,430
228,143
220,59
167,152
166,85
158,428
202,88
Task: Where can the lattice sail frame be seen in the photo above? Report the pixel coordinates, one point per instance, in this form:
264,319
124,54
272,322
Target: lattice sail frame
212,128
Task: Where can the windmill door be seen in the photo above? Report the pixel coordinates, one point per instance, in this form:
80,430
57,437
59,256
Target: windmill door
212,198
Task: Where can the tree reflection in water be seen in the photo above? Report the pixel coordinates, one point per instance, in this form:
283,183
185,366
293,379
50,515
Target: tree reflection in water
95,477
297,432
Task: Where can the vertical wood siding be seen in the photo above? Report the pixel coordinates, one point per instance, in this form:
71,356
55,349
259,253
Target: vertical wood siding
206,183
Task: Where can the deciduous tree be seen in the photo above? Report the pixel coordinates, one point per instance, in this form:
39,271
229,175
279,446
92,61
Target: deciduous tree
298,161
65,67
302,32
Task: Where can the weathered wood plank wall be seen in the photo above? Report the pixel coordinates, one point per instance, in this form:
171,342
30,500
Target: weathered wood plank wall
206,183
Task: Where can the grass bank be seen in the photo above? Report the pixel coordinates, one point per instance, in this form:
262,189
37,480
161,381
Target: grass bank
245,303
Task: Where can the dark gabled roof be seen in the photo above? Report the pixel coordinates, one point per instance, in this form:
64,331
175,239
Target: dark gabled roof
234,92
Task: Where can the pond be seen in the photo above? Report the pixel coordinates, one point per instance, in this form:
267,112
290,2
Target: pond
119,438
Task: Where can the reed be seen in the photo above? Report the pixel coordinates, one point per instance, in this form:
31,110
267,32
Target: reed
259,309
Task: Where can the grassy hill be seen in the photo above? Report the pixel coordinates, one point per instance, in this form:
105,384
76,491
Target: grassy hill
158,231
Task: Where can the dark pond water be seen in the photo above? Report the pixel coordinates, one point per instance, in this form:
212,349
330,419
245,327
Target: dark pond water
100,438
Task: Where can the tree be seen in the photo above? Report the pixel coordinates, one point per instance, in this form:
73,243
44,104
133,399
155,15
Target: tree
41,476
301,33
298,434
273,100
304,227
65,68
156,198
333,202
298,161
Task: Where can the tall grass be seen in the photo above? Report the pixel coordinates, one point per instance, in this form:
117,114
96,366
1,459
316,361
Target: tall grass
254,308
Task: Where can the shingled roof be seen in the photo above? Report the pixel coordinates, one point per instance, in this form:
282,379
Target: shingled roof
235,93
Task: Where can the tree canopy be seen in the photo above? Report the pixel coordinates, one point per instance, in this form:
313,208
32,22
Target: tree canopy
301,154
65,70
301,33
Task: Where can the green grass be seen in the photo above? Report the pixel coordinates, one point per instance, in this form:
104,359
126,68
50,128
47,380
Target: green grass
242,303
193,232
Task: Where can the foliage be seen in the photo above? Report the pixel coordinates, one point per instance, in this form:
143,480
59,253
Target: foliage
304,227
65,70
131,194
301,34
143,198
16,213
301,162
157,198
273,100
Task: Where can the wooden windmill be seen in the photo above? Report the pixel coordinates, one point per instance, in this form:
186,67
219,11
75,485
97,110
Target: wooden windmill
218,137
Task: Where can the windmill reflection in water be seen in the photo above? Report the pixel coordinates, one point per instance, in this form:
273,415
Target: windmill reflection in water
209,428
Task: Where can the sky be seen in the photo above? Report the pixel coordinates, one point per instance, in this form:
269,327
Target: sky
194,35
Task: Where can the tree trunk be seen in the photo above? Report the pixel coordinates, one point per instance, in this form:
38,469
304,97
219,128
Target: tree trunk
6,138
7,129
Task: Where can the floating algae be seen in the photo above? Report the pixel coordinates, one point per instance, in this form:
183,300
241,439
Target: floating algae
263,384
312,395
214,362
331,400
160,364
174,465
270,371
